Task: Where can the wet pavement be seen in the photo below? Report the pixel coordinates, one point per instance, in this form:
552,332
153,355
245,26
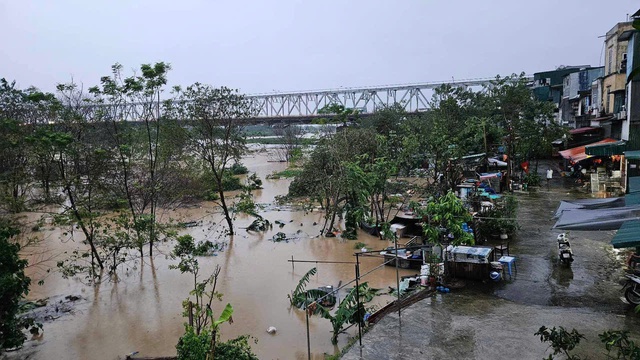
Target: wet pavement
498,320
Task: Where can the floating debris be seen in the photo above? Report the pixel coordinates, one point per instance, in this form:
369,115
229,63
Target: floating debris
279,237
189,224
260,224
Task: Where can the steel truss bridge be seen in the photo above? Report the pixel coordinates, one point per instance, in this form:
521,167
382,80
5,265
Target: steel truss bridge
412,97
304,106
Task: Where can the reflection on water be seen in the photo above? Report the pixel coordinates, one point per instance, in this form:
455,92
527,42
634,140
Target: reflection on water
142,312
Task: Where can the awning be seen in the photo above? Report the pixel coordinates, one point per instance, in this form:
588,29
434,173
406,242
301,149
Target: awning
496,162
632,155
628,235
581,130
578,153
608,149
590,204
597,219
603,118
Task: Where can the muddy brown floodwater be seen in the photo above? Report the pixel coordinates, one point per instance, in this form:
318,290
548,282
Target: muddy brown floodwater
142,311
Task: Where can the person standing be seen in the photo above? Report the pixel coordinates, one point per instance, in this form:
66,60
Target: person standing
549,175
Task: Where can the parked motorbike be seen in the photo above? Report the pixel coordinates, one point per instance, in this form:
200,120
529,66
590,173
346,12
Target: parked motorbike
564,249
632,294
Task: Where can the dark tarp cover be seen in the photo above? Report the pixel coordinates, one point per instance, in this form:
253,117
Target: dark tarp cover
634,184
589,204
627,236
597,219
614,148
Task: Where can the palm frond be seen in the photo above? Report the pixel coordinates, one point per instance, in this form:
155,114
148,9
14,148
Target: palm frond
302,285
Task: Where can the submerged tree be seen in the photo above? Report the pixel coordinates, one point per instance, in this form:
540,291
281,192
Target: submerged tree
216,134
138,152
327,179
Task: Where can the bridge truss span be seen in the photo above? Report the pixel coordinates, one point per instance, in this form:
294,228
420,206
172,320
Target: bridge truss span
412,97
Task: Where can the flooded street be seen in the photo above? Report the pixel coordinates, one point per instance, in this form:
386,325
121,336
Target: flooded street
487,320
142,312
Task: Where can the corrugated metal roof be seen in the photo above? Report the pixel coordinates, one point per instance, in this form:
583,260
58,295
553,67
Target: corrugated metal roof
628,235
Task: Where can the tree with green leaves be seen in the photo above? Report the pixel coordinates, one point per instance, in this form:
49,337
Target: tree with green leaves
444,217
216,135
450,134
14,286
138,151
21,113
339,113
526,122
82,166
327,179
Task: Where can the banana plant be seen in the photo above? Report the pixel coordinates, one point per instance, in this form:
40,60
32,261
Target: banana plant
225,316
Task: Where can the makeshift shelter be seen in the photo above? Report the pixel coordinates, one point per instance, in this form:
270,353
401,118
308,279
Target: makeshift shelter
597,219
578,153
622,214
590,204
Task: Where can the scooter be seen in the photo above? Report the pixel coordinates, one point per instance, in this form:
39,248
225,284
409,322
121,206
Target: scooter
632,294
564,249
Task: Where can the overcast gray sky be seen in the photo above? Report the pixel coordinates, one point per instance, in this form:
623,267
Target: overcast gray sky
285,45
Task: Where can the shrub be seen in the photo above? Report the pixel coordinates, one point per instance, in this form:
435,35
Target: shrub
235,349
532,179
238,169
192,346
14,285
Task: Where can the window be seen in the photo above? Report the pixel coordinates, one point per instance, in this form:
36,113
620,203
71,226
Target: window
610,60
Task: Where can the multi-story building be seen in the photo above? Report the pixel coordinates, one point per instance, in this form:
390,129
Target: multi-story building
569,88
631,131
575,108
613,103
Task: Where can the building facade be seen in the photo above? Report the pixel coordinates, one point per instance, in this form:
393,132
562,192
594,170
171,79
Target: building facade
614,91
